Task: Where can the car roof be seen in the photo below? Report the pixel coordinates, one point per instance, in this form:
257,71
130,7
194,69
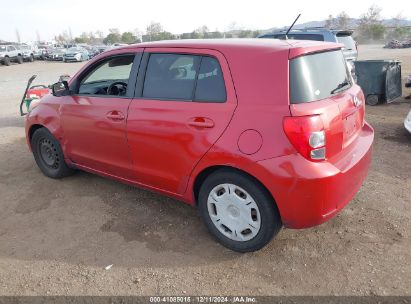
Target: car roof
252,44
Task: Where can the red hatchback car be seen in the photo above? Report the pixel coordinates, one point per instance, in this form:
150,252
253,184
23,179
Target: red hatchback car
256,133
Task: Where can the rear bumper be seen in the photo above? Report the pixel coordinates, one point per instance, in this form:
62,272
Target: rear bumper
308,193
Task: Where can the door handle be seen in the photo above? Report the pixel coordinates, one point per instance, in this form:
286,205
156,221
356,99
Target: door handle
115,116
201,122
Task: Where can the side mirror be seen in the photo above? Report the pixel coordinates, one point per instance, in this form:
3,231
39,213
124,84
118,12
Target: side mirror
60,88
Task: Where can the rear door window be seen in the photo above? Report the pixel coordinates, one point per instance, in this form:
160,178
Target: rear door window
318,76
171,76
210,84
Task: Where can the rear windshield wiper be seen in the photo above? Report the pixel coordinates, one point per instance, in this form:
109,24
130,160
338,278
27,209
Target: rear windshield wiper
341,86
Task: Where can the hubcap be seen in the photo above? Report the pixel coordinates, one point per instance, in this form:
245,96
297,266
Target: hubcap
48,153
234,212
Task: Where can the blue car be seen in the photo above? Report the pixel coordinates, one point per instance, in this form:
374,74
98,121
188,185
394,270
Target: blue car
321,34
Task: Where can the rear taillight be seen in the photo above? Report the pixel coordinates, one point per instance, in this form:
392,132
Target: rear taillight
307,135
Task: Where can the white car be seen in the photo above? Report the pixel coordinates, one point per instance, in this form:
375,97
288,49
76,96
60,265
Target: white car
407,122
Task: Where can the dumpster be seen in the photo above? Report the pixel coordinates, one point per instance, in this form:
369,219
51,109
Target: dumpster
380,80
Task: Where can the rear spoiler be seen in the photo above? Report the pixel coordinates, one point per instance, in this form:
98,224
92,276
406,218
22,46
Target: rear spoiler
344,33
297,50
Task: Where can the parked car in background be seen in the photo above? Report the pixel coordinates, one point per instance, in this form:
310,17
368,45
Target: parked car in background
279,139
57,54
76,54
28,52
102,48
10,53
350,50
44,51
92,52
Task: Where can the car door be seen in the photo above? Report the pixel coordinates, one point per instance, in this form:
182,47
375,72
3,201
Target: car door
184,101
12,52
94,119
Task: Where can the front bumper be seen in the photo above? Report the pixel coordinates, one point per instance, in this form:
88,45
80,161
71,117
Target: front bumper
73,59
308,193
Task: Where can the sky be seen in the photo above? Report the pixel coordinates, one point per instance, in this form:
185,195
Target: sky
50,17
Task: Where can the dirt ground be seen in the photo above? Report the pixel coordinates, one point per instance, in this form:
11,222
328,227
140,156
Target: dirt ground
57,236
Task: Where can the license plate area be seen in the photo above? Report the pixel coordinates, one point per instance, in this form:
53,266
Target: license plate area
352,124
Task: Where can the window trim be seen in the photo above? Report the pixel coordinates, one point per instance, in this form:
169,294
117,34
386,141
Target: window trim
143,70
131,85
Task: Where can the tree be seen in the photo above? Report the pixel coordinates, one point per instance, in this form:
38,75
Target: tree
329,23
155,31
113,36
342,20
370,25
399,31
245,34
18,36
128,37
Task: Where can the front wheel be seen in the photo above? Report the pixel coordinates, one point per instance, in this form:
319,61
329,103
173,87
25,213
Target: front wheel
48,154
19,59
238,211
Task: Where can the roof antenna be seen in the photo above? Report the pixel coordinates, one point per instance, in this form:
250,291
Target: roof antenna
289,29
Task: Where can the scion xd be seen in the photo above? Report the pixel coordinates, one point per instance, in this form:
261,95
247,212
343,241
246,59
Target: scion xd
258,134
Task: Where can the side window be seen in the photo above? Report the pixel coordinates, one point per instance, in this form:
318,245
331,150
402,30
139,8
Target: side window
109,77
11,48
210,83
171,76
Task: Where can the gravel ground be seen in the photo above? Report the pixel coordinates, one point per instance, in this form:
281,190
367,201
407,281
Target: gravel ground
57,236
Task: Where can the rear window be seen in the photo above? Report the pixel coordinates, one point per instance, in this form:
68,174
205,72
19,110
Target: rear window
318,76
348,42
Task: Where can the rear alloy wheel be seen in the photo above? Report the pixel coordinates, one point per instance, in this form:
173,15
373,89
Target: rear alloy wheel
48,154
6,61
238,211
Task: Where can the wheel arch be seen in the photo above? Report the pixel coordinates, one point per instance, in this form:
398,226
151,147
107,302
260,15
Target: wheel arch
202,175
33,128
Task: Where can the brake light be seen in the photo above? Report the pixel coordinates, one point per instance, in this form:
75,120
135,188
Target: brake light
307,135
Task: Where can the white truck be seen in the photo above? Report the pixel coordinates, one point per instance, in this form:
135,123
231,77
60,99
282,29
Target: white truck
10,53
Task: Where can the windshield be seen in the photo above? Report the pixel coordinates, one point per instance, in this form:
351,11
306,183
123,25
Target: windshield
2,48
347,41
318,76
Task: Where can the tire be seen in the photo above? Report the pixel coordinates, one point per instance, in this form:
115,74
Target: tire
372,100
6,61
260,210
19,59
31,58
48,155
